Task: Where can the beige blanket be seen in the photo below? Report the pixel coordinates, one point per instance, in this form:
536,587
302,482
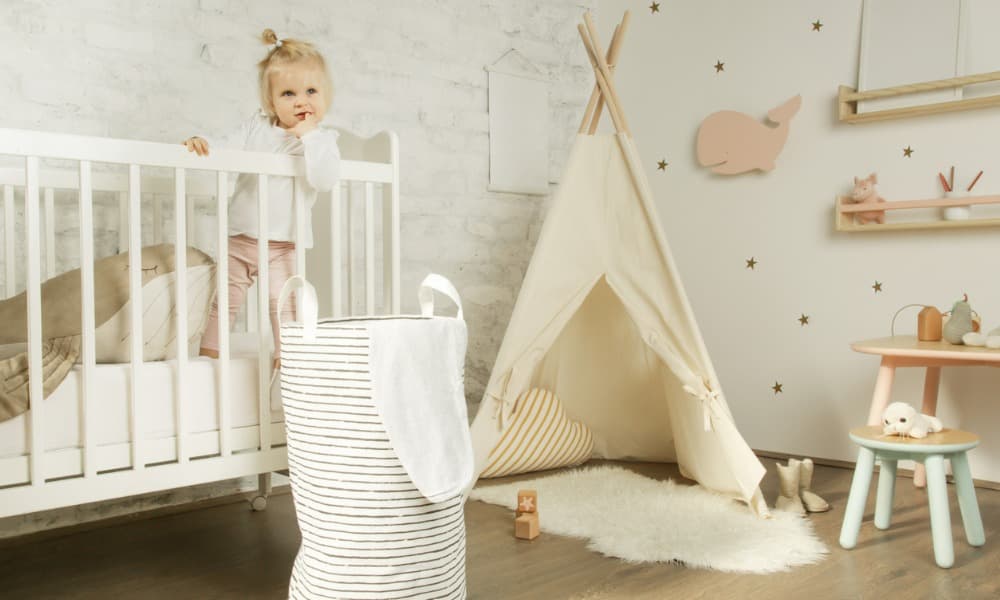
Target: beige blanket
61,318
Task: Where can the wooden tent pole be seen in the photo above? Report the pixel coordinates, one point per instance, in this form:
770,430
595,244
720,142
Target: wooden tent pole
614,109
610,95
602,84
595,95
616,44
596,101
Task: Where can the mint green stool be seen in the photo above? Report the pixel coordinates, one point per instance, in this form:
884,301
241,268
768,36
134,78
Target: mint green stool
932,452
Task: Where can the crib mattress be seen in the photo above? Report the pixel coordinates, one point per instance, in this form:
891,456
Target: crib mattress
63,423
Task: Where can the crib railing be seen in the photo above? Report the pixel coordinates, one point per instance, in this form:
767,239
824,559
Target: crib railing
331,273
161,189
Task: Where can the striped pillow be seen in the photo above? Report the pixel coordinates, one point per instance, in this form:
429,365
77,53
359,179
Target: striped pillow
540,436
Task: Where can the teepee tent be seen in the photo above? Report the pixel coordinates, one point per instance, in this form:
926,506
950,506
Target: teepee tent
602,321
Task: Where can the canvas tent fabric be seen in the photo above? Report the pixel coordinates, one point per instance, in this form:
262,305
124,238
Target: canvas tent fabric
602,320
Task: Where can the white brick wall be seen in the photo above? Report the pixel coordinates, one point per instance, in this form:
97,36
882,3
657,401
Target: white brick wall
153,70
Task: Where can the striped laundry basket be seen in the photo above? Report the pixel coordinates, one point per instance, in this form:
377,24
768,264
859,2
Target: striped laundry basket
367,531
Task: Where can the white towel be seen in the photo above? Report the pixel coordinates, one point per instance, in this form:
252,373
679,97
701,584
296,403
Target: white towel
418,387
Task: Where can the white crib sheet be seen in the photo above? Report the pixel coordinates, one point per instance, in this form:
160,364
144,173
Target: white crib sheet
63,425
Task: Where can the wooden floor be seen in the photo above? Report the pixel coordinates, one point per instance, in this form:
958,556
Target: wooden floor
230,552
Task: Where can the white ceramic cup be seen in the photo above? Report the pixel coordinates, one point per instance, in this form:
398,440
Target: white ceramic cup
956,213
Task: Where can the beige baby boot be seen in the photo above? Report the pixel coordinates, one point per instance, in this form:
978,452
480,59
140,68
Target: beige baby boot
812,502
788,486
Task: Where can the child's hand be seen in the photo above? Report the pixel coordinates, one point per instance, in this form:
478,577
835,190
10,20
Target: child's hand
305,125
196,144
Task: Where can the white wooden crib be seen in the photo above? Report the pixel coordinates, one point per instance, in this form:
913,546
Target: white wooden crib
354,266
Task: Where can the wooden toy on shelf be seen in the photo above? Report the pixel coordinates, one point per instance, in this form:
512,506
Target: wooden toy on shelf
865,193
956,213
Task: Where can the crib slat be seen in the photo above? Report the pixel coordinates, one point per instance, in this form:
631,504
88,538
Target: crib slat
135,313
122,222
349,238
336,245
157,219
87,318
263,330
369,248
298,185
193,238
390,260
34,297
10,259
387,246
181,310
50,233
222,299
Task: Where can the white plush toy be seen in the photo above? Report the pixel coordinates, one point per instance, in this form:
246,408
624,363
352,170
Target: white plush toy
990,340
902,419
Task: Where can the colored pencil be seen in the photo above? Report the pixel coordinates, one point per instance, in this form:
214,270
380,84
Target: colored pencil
969,189
944,182
951,179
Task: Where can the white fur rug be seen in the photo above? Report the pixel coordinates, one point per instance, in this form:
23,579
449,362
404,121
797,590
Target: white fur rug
637,519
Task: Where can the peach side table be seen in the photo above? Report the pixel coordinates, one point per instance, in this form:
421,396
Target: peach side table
908,351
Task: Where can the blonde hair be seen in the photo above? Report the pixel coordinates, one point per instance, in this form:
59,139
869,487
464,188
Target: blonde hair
284,52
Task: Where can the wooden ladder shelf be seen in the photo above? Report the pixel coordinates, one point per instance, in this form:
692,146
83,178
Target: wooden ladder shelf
847,99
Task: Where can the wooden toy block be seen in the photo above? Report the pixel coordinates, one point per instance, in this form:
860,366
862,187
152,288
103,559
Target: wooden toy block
526,526
527,502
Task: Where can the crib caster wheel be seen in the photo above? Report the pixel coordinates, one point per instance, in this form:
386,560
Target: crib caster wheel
258,503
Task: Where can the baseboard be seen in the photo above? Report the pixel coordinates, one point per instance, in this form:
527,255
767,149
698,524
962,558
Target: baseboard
843,464
153,513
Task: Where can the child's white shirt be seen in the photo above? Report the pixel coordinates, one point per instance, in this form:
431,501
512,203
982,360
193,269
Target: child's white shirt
322,156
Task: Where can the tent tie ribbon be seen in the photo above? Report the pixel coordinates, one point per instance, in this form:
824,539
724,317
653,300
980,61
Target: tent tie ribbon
503,408
709,401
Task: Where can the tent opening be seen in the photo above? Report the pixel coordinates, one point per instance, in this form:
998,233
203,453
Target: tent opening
609,379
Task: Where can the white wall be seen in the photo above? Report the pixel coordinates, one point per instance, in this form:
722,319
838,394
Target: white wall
161,71
785,219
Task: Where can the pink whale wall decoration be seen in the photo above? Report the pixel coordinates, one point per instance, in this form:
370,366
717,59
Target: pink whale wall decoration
731,142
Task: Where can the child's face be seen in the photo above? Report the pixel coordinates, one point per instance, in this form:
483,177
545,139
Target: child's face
297,91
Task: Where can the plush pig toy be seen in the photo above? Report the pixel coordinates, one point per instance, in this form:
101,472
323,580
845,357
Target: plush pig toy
865,193
902,419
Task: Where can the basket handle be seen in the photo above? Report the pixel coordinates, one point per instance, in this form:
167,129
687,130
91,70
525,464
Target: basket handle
437,283
309,305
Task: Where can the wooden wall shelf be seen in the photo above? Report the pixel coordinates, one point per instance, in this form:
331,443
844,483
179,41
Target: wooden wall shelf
845,209
848,97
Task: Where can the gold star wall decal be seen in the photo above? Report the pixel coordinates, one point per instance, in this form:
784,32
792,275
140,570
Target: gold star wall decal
777,388
817,25
719,66
907,152
804,319
654,7
877,287
662,165
751,263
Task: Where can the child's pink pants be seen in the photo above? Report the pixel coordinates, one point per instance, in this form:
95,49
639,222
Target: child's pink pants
243,269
